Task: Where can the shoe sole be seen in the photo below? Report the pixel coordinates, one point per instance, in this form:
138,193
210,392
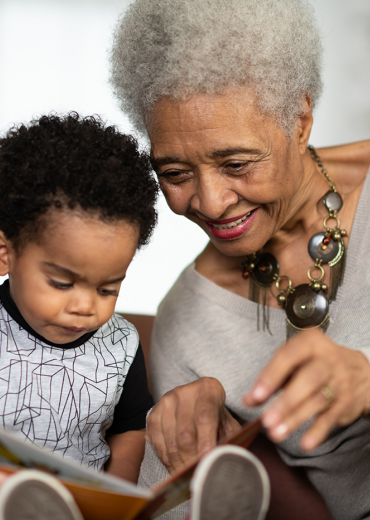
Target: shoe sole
230,483
31,494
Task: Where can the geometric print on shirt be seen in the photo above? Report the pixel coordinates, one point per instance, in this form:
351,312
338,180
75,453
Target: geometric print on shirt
64,399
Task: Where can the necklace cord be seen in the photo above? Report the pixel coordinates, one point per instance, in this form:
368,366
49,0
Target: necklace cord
306,305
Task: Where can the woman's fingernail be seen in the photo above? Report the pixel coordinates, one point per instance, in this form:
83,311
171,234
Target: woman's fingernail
308,443
259,392
280,432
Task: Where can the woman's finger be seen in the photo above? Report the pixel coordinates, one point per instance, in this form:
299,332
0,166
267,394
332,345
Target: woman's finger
306,382
321,427
303,368
184,424
313,405
228,425
161,420
206,398
287,359
207,419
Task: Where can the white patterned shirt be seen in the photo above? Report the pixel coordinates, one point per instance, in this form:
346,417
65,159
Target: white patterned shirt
66,397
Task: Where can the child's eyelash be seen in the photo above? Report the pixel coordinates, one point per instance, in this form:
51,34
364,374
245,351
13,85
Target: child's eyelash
60,285
103,292
107,292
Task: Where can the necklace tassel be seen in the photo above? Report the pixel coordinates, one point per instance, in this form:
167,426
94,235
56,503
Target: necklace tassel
259,295
306,305
292,330
336,274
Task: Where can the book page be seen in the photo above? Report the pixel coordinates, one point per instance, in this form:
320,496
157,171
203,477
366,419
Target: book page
17,451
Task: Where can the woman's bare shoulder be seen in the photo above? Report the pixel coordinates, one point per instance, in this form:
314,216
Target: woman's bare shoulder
348,163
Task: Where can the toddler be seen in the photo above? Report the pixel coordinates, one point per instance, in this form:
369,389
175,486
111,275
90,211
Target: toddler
76,201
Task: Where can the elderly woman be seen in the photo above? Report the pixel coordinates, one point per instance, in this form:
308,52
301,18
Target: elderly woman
225,91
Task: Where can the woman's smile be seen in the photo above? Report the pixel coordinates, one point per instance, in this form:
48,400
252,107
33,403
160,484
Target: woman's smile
232,227
231,171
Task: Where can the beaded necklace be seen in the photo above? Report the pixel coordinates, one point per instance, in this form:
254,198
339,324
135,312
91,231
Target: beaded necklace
306,305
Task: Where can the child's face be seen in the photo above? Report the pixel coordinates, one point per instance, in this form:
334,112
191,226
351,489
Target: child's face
68,284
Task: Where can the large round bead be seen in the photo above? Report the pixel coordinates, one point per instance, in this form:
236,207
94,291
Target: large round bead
265,269
305,307
332,200
315,248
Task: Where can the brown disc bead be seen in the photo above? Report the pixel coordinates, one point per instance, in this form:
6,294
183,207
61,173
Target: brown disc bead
305,307
332,201
265,269
322,247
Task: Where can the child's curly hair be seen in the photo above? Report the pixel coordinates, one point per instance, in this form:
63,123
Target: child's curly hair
69,162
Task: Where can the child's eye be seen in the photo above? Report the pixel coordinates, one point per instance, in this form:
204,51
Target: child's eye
60,285
107,292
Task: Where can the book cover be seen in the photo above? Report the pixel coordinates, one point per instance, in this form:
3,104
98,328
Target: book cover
98,494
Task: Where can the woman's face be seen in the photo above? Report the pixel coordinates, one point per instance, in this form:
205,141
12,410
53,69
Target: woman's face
227,168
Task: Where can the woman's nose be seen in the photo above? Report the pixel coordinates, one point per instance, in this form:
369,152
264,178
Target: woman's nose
212,197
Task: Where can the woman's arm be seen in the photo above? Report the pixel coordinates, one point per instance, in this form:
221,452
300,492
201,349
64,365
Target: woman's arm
189,419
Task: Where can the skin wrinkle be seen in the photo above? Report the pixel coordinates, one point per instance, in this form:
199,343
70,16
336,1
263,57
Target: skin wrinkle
208,129
282,181
341,367
187,118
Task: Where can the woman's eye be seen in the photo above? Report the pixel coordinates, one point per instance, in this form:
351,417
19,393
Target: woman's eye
173,176
235,167
60,285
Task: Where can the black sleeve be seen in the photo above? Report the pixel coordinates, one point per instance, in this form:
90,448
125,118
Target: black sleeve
135,402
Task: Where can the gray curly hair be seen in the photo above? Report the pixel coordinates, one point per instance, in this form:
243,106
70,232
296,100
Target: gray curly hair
179,48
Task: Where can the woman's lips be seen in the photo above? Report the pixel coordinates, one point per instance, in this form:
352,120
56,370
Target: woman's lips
232,227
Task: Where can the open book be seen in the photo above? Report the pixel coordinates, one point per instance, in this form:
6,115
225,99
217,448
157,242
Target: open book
102,496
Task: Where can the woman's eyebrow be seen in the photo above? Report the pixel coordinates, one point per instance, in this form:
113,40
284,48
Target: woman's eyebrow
162,161
170,159
233,151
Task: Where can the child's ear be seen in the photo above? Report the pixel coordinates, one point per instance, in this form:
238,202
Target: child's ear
4,254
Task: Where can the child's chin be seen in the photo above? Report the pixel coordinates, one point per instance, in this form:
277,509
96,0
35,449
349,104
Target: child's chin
63,335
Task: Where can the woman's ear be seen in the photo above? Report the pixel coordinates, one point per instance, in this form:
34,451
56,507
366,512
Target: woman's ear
304,125
4,254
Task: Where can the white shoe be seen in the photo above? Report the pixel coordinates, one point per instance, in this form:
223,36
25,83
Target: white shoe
34,495
230,483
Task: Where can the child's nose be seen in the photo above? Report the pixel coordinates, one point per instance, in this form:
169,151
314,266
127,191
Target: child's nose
82,303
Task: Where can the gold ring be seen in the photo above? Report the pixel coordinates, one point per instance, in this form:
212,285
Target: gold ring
329,395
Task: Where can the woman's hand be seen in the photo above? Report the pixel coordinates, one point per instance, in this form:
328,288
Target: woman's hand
318,377
188,421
